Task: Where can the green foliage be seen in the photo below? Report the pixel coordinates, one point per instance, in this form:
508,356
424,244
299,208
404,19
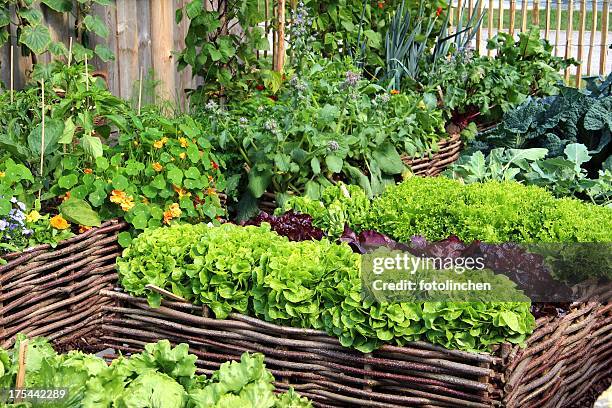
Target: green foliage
160,376
563,176
408,51
339,205
573,116
492,212
214,51
155,171
481,85
326,124
357,28
35,37
253,270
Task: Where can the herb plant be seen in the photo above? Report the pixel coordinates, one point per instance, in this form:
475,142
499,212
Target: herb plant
324,125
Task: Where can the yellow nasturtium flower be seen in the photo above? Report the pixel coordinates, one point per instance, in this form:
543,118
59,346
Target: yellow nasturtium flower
33,216
58,222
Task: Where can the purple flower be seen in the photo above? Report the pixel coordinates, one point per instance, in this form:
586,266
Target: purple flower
27,231
352,78
3,225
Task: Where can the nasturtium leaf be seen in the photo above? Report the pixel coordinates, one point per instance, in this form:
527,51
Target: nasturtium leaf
120,182
68,181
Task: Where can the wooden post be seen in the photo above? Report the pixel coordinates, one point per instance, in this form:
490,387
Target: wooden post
139,91
500,21
267,25
581,41
558,29
162,32
42,137
470,9
478,12
536,13
592,39
605,12
86,74
280,51
459,13
569,31
524,6
21,367
70,52
547,26
512,12
490,26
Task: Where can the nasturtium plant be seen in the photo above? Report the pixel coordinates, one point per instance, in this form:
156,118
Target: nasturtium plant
160,171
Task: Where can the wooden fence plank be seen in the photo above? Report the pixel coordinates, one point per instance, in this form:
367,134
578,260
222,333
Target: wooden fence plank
581,43
547,24
127,46
592,38
500,21
524,7
512,12
569,33
162,33
558,29
490,25
605,12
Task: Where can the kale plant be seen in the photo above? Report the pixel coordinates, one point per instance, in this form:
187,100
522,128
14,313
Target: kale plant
573,116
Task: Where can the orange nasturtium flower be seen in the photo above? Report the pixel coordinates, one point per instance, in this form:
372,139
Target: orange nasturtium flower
83,228
160,143
66,196
183,142
394,92
126,202
157,167
181,191
58,222
88,171
174,211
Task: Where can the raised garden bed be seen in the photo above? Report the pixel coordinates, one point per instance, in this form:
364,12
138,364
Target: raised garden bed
564,358
68,295
448,153
55,292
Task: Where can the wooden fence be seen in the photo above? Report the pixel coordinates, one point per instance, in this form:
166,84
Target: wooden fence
144,37
578,29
